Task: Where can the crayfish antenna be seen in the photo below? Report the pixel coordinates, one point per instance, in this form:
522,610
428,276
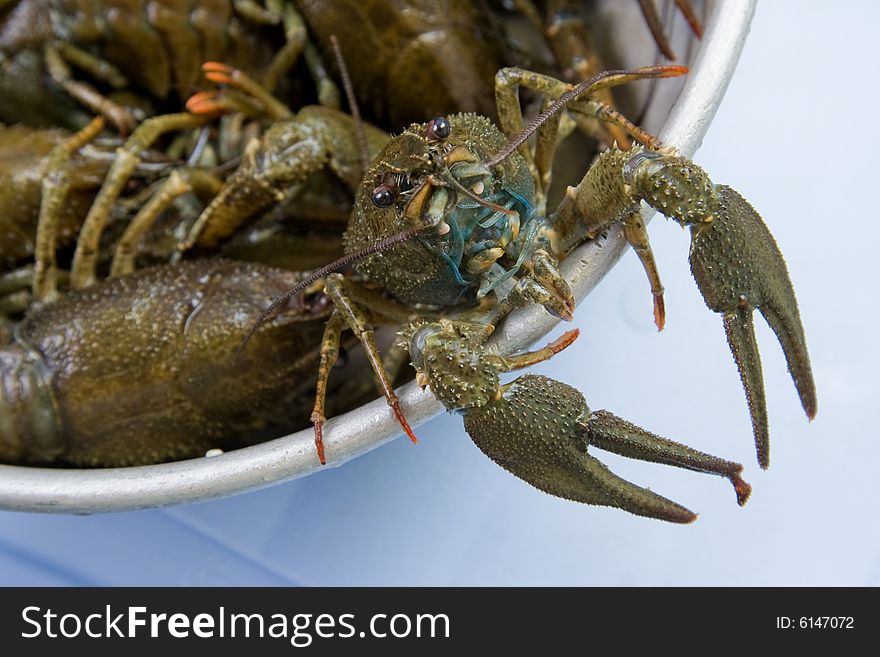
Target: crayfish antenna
655,24
363,148
599,81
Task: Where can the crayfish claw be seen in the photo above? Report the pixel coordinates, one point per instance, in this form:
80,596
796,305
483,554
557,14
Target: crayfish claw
540,431
739,326
206,103
614,434
790,332
738,268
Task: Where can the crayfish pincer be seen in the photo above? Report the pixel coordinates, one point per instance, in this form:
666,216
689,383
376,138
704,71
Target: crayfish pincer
540,429
738,267
734,259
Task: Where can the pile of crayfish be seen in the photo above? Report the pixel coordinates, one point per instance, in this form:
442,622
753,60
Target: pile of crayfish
194,232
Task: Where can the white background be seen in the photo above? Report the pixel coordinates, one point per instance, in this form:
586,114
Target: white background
796,135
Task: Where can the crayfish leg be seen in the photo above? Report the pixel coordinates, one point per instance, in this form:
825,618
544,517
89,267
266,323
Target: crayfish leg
181,181
510,363
340,292
579,99
85,258
55,186
84,93
329,354
655,24
636,234
573,47
236,79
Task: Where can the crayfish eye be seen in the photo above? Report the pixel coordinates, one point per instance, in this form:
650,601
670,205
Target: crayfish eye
382,197
438,128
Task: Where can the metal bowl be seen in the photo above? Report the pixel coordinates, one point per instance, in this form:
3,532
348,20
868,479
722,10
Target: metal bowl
692,104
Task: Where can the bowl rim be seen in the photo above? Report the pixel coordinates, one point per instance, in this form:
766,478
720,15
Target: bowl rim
371,425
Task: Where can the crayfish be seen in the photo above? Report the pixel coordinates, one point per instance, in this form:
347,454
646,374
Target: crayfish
460,206
159,384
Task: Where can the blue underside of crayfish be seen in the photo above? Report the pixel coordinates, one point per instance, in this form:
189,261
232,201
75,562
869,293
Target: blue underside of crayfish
474,229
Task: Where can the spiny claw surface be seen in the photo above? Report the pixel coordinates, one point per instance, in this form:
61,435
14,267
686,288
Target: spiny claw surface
540,431
738,268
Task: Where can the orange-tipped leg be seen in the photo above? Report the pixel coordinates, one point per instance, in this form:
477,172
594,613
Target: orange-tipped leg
690,16
659,311
636,234
395,407
344,294
242,83
319,441
207,103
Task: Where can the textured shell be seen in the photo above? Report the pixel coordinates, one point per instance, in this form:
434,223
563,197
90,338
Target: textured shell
141,367
535,431
733,233
159,44
412,59
413,272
